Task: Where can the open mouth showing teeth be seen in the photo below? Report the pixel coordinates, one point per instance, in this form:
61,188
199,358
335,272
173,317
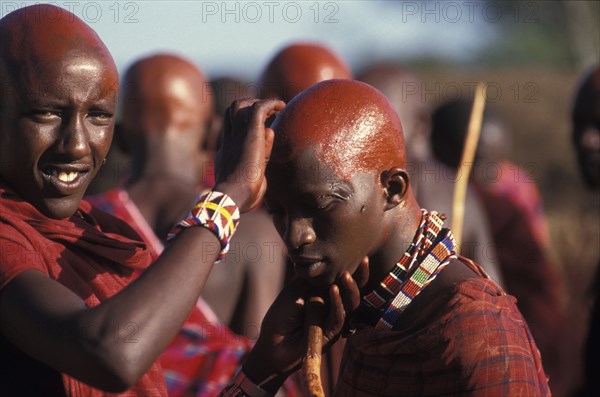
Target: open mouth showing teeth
65,176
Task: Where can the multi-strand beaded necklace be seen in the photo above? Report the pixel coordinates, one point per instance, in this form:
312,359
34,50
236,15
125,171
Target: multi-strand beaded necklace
431,250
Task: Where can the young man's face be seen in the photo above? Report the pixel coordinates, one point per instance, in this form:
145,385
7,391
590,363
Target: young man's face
56,126
327,223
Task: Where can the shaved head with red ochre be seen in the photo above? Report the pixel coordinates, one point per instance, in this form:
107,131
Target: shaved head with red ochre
299,66
165,91
167,109
337,188
59,91
352,124
42,36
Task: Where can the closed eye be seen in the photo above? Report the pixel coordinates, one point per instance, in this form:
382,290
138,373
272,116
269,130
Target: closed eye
101,118
329,201
45,115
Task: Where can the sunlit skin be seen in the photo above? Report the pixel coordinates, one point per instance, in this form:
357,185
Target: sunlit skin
404,92
586,128
297,67
55,131
166,102
68,128
166,121
166,115
337,185
323,218
432,182
338,192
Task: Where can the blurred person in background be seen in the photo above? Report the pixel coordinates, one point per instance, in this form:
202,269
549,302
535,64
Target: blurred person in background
167,111
519,229
298,66
586,139
433,181
253,272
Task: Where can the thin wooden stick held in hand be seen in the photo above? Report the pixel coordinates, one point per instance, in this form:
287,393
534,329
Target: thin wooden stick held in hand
312,362
466,162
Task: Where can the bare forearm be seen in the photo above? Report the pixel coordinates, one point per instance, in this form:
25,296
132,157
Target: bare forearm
136,325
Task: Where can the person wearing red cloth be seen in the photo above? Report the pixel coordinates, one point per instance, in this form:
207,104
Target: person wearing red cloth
430,323
72,320
166,116
585,119
518,224
433,182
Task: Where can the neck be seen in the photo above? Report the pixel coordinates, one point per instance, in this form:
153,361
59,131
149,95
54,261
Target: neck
163,197
403,224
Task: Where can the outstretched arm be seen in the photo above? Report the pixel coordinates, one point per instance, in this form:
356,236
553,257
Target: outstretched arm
78,340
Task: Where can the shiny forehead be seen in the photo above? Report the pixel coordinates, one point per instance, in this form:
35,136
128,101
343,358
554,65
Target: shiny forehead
351,126
43,36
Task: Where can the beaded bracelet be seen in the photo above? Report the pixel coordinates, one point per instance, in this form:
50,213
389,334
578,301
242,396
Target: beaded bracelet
243,387
218,213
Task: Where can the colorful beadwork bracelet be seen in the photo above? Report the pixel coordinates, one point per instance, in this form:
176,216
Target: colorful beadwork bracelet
218,213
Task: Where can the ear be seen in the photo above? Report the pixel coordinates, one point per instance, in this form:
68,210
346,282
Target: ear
395,183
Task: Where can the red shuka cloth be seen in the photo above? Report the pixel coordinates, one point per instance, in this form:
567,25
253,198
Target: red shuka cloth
476,343
95,258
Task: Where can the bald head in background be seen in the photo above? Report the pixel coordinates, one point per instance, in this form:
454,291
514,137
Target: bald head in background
167,107
403,90
299,66
166,113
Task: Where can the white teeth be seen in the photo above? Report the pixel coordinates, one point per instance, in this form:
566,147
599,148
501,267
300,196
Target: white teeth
67,177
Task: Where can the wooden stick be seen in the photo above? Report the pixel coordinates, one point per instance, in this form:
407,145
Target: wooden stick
466,163
312,362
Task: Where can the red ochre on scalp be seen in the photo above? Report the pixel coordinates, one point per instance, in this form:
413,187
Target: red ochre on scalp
299,66
351,125
36,36
163,91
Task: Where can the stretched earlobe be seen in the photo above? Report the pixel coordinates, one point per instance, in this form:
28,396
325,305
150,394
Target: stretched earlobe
395,183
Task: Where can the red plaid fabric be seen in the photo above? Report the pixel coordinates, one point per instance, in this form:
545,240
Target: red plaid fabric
476,344
202,358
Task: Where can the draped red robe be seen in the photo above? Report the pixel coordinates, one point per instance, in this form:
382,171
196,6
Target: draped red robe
91,253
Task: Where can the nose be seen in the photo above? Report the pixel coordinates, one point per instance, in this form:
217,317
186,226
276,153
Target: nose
298,233
75,137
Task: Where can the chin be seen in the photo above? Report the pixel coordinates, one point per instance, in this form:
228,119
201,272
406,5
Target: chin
59,208
322,282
